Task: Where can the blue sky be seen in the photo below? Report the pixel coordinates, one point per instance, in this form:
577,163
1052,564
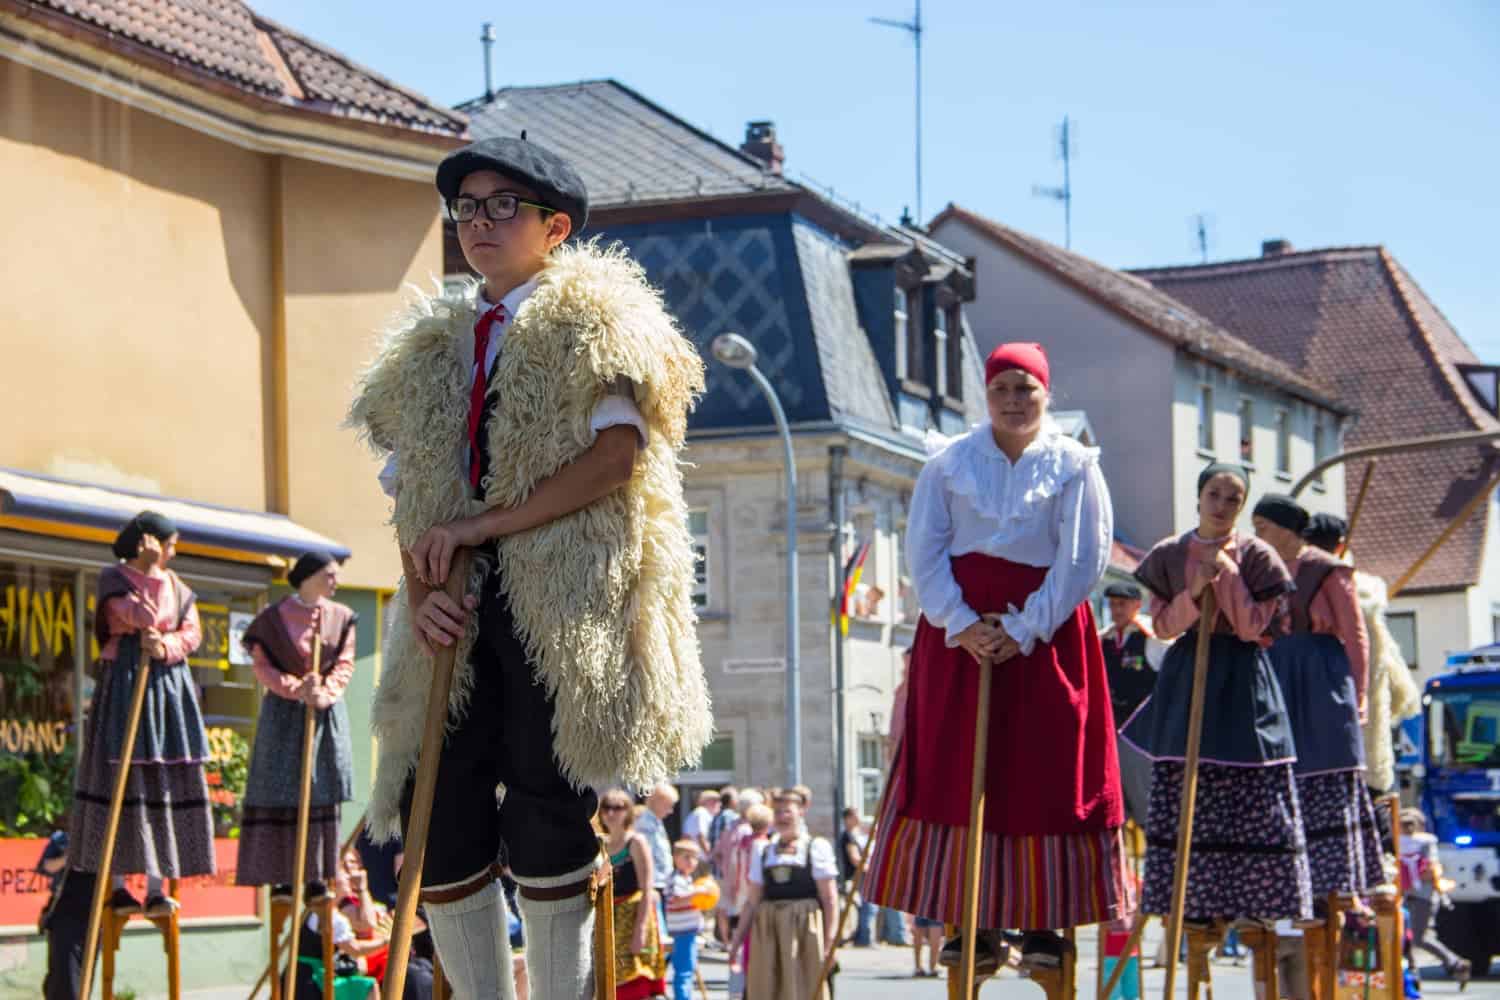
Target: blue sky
1324,122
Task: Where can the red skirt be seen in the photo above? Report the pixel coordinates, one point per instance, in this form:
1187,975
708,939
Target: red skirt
1052,853
1051,763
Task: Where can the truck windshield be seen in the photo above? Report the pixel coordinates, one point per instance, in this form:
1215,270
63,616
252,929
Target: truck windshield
1463,728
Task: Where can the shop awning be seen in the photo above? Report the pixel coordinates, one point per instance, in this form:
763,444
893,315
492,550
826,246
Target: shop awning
63,508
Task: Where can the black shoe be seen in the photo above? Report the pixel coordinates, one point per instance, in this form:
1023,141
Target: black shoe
161,906
1461,972
990,950
1042,950
281,893
123,903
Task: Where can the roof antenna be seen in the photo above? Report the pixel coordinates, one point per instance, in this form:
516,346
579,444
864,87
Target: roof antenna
1203,225
1065,149
487,39
914,29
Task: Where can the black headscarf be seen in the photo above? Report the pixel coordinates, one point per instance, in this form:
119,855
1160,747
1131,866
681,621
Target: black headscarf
307,564
1325,531
148,522
1221,469
1282,510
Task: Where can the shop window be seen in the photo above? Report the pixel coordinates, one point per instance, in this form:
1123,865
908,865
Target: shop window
719,754
870,762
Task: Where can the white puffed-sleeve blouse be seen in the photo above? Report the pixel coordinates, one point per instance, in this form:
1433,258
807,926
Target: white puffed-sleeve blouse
1050,508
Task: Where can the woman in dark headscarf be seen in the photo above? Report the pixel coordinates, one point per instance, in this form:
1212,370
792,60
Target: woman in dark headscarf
1322,664
1249,848
145,617
280,642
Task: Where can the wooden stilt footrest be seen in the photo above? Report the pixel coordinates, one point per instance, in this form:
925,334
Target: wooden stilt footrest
112,929
1261,941
1201,941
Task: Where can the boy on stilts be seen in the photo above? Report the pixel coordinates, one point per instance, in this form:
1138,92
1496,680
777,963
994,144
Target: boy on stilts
535,420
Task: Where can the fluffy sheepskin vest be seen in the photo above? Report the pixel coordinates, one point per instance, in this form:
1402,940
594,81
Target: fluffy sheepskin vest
601,597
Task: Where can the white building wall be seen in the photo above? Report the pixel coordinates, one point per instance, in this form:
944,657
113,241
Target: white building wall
1458,620
1228,391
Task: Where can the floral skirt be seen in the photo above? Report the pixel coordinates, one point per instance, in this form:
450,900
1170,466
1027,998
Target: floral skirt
1343,842
1249,851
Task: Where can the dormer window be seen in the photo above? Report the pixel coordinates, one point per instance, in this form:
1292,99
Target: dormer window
1484,384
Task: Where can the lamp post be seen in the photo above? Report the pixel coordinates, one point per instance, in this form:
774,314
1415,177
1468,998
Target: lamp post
734,351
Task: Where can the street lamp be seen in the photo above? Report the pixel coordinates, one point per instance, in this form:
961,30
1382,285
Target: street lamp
734,351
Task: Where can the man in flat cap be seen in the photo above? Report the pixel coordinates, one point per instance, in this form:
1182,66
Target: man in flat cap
537,420
1130,656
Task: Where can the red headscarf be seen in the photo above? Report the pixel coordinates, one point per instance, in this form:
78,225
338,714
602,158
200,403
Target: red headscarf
1029,358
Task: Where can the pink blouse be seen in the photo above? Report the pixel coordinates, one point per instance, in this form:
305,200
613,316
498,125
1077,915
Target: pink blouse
151,604
296,618
1249,617
1334,611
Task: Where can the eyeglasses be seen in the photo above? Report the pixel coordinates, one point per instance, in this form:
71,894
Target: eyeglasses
498,207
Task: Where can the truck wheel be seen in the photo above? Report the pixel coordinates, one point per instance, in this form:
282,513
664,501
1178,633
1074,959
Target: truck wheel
1470,929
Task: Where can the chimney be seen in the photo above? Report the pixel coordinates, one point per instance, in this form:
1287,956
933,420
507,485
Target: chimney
1275,248
760,142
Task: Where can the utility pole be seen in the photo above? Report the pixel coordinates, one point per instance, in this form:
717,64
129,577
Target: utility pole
487,39
913,28
1202,227
1063,194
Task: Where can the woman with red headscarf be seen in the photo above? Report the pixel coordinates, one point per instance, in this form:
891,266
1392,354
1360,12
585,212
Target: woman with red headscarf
1009,530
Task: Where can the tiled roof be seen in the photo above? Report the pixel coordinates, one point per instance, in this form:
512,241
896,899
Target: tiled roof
1157,312
627,148
1353,318
226,43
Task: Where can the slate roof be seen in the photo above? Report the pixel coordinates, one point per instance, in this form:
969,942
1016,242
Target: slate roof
226,45
627,148
1353,318
1159,313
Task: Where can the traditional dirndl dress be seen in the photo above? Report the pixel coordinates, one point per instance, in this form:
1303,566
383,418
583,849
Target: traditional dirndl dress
1052,852
1312,667
638,974
1249,851
166,826
268,823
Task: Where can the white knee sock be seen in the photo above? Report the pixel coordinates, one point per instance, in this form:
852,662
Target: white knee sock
559,947
473,945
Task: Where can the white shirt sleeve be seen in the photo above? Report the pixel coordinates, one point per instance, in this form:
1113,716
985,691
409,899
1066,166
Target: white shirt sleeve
820,858
343,930
757,864
929,541
387,476
618,409
1082,555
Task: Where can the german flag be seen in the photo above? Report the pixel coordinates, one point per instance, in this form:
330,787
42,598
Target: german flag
852,570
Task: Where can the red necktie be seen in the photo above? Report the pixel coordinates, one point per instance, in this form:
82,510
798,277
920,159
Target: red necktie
496,314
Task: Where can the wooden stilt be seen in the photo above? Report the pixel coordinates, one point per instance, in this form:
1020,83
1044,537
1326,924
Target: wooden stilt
272,971
1315,952
1060,983
304,806
324,909
1200,942
113,930
1388,913
112,825
424,785
973,867
440,988
603,889
1207,616
1261,941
